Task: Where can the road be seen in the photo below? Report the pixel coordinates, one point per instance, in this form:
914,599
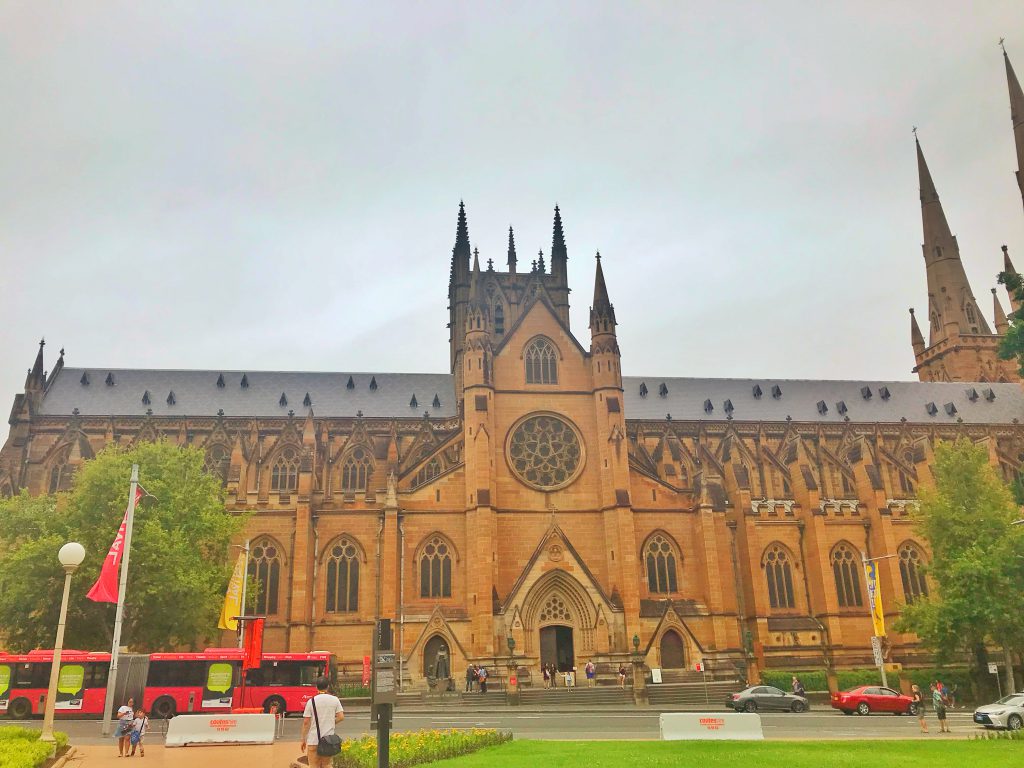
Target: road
594,723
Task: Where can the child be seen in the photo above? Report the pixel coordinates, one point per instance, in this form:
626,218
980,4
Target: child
139,727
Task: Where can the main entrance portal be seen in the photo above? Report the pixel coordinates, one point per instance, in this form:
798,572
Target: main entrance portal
556,647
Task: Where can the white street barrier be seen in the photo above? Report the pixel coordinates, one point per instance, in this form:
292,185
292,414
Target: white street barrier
220,729
717,726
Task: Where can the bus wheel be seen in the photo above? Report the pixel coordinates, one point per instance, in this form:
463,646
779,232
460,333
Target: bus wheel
20,709
273,701
164,708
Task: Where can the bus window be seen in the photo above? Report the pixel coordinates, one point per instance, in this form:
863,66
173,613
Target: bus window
96,674
176,674
32,675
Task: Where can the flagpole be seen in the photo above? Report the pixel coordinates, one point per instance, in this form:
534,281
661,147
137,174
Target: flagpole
245,583
121,589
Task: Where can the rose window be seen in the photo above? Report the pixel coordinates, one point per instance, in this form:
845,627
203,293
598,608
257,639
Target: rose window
545,452
554,610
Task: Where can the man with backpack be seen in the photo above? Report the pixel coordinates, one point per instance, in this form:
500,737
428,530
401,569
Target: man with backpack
325,711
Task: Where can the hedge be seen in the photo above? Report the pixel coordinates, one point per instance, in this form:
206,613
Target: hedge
419,747
21,747
815,680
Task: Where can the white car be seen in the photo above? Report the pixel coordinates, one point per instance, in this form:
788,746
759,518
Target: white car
1008,713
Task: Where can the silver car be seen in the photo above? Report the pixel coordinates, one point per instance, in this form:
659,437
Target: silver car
1007,713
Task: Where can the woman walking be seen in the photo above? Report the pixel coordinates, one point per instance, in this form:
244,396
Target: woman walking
547,676
918,698
125,723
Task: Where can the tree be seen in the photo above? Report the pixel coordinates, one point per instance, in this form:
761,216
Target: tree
977,559
179,564
1011,346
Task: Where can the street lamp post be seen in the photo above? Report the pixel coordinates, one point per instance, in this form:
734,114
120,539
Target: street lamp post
71,556
875,600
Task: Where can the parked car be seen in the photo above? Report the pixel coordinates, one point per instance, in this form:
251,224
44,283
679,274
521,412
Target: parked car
871,698
1007,713
768,698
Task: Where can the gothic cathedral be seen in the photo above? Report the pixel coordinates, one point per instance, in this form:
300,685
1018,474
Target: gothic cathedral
535,498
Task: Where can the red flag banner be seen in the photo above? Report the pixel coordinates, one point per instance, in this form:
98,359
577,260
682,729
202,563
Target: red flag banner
105,589
253,643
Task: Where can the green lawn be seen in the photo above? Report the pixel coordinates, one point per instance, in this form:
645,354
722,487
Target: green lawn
932,753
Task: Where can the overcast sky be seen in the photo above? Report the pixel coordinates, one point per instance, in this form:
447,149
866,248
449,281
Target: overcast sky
275,185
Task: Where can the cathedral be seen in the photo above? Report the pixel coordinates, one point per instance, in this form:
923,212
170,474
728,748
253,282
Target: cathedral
536,501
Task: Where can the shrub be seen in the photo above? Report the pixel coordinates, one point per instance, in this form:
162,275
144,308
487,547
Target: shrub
958,676
813,680
416,748
23,753
343,691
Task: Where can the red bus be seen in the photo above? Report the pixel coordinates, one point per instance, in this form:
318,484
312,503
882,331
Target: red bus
25,679
210,681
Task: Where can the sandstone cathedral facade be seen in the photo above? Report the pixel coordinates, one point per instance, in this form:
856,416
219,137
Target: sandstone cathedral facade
537,494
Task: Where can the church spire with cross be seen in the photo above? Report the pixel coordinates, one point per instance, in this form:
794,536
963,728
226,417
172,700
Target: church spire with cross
1016,116
952,308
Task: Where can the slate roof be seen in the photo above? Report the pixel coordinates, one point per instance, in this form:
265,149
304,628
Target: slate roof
196,393
686,400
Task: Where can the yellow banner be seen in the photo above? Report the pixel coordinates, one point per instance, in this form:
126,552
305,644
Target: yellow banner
233,599
875,598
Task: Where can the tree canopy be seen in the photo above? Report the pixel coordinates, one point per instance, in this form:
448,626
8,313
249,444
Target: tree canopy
977,561
179,560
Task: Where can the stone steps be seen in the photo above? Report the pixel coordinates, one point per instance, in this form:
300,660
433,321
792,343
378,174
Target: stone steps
693,693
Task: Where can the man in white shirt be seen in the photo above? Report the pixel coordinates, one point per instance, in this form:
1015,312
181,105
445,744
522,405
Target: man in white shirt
328,712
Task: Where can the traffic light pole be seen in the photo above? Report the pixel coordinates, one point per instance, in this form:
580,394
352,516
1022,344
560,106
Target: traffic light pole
384,689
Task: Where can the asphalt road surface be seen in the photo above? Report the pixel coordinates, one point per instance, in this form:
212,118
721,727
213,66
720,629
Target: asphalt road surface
594,723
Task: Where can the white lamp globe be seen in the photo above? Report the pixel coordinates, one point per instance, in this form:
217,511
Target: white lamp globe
71,554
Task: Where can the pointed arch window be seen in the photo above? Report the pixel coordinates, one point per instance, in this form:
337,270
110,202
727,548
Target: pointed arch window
660,559
846,571
436,569
912,564
356,471
264,575
427,473
343,576
541,362
778,572
284,473
848,489
60,473
971,317
499,319
216,462
903,479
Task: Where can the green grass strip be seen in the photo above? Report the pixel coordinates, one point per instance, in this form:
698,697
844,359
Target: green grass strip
933,752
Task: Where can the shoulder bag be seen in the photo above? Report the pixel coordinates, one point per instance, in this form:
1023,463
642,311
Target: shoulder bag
329,745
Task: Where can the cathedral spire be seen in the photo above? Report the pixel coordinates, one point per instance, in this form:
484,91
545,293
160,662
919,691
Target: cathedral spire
1002,326
1016,117
1008,267
916,339
35,378
474,279
511,252
951,302
602,313
559,255
460,253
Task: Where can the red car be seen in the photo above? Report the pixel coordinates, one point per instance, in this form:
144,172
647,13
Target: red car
870,698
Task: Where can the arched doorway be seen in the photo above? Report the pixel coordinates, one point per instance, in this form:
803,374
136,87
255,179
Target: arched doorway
437,660
672,654
556,647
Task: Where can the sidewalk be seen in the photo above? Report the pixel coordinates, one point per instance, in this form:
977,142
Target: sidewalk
279,755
